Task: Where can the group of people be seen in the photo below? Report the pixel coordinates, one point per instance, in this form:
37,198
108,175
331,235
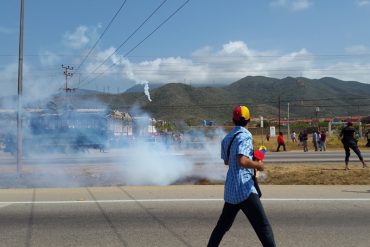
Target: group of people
318,140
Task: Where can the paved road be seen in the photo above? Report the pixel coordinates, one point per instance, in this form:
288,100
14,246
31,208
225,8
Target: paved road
116,156
180,216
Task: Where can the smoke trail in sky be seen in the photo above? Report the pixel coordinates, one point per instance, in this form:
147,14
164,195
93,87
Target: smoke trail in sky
128,70
146,90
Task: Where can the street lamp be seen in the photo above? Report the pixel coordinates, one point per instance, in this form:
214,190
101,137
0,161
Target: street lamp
317,110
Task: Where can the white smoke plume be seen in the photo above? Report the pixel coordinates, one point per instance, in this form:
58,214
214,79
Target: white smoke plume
146,90
128,70
144,159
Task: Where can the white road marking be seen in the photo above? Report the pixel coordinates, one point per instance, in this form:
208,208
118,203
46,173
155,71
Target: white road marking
2,204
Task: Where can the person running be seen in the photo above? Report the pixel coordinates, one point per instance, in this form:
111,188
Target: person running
349,142
240,192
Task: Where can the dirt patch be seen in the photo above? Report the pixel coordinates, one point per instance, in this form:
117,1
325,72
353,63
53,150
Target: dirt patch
318,174
304,174
110,175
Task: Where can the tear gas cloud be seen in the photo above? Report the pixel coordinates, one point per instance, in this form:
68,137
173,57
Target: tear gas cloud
64,148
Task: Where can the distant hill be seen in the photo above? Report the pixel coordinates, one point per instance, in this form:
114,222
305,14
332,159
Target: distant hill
182,102
177,101
138,88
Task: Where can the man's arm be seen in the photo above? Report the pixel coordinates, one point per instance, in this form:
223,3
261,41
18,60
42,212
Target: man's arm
244,161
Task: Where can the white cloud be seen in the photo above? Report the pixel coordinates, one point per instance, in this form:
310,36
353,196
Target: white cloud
358,50
206,65
362,3
48,58
236,60
343,71
294,5
77,39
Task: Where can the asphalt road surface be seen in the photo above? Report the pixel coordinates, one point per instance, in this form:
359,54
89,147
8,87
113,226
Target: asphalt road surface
180,216
115,156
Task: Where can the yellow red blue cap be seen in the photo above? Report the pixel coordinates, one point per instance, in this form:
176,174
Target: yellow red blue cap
239,112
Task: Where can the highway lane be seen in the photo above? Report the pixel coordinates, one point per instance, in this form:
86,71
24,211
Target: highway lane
180,216
123,156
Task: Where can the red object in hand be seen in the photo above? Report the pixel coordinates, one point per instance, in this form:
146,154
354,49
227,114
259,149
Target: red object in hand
258,155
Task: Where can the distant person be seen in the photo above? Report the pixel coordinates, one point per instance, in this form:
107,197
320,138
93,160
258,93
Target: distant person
294,137
304,141
349,142
323,141
315,140
268,137
240,193
368,138
300,138
280,142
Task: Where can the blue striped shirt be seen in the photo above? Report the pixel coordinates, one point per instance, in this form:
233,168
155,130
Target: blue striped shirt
239,183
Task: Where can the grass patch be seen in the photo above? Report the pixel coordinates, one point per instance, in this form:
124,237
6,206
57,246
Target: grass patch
320,174
308,174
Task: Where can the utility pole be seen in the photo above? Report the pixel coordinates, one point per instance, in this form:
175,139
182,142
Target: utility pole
279,113
288,137
20,90
317,109
67,74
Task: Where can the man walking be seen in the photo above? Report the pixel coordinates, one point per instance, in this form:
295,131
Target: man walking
240,192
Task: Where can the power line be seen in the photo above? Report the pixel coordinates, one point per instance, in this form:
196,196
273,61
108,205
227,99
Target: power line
102,34
210,56
129,37
273,103
150,34
228,105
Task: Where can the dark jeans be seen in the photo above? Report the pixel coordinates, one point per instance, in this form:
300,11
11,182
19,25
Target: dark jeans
252,208
351,145
278,147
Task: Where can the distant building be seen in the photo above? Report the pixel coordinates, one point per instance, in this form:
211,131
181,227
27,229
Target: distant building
120,123
123,124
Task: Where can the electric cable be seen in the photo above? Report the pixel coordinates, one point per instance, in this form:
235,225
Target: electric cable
132,49
128,38
101,35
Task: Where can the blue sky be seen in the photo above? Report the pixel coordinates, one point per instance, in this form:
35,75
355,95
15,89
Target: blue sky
206,41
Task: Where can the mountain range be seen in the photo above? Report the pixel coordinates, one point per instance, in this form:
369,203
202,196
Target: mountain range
300,97
307,98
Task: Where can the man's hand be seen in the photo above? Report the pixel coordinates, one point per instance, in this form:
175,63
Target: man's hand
244,161
261,166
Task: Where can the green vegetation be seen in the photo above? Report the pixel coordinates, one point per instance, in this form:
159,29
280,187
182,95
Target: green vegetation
180,102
